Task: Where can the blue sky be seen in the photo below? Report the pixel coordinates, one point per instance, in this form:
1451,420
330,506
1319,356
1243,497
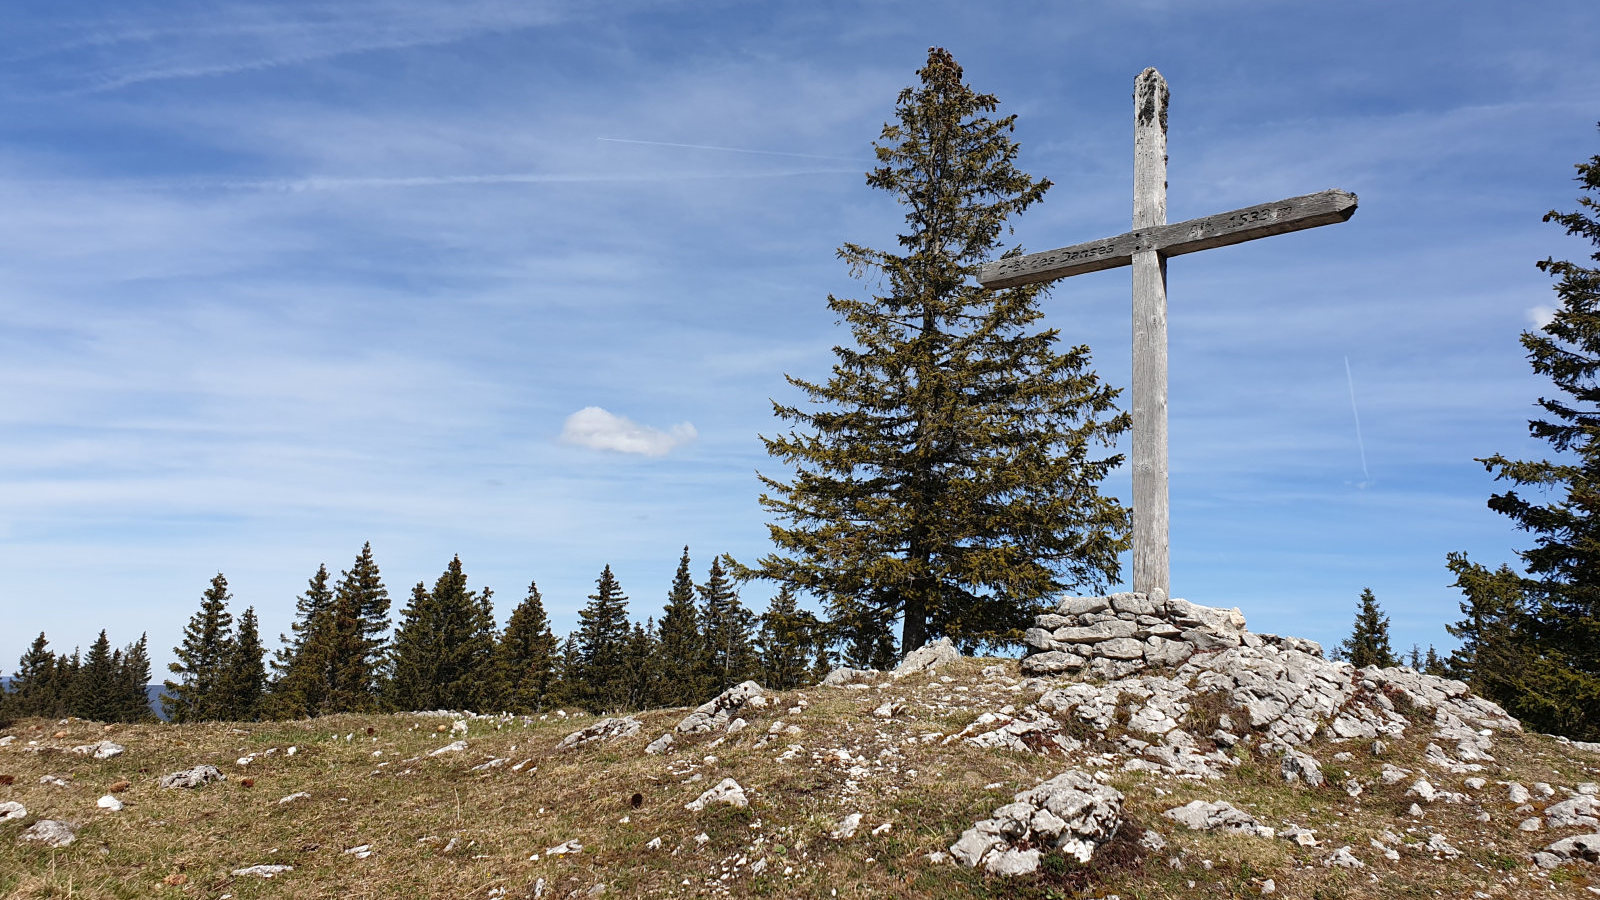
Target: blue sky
518,281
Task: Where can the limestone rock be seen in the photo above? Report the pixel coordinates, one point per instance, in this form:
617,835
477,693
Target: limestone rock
927,658
193,778
1071,814
1584,847
50,832
1342,858
727,791
12,811
717,712
1579,812
845,675
847,827
659,745
109,802
603,730
452,747
99,750
1299,766
262,871
1201,815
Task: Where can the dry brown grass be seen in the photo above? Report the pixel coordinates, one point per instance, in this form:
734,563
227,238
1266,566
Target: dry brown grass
439,829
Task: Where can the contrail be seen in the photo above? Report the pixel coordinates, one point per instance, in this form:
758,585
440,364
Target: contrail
1350,380
728,149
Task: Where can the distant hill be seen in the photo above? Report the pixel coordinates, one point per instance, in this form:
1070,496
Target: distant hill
152,693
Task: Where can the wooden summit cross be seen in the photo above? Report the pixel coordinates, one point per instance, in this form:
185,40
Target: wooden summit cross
1147,247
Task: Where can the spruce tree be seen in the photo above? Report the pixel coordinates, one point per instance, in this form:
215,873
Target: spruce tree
351,640
133,676
946,474
602,679
1368,643
301,679
94,691
730,657
203,657
640,665
443,651
32,684
682,655
527,655
244,680
1560,627
411,682
788,639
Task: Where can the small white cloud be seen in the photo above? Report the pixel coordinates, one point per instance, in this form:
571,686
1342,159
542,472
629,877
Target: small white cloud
598,429
1541,315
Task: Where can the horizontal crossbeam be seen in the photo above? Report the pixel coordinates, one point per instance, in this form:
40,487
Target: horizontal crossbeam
1236,227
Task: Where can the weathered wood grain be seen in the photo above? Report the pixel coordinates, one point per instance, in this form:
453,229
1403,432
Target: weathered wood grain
1250,223
1149,452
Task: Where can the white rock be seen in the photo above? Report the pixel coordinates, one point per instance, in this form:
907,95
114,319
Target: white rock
99,750
1344,859
262,871
846,828
726,791
717,712
927,658
659,745
1529,824
50,832
12,811
297,795
1585,847
452,747
603,730
1422,790
193,778
109,802
564,848
1518,794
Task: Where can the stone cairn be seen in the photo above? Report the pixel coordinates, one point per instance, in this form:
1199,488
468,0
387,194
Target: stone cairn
1122,634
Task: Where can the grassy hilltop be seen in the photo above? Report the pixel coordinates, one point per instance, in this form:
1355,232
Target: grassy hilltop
482,821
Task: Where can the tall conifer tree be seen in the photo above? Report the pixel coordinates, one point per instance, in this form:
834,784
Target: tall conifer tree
1368,643
196,694
94,692
730,656
527,655
946,474
300,665
32,682
133,676
788,641
1558,625
603,679
443,652
352,637
683,647
245,680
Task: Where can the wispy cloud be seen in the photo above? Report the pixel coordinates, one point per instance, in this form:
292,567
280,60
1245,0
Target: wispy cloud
1541,315
245,37
598,429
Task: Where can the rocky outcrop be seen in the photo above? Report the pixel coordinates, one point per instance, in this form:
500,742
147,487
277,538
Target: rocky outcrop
192,778
1071,814
603,730
1200,815
716,713
1172,662
927,658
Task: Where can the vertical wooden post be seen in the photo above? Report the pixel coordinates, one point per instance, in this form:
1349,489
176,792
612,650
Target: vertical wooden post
1150,515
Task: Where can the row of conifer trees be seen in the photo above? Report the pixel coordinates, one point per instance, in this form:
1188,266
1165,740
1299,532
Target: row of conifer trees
445,652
